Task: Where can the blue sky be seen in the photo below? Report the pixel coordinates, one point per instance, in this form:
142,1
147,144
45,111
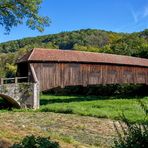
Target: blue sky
68,15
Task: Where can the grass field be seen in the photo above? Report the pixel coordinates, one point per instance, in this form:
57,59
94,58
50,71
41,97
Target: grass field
76,121
95,106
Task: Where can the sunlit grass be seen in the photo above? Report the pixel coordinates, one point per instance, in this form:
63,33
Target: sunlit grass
95,106
101,107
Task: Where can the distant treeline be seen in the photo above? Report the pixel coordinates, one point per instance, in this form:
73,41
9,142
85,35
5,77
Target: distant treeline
134,44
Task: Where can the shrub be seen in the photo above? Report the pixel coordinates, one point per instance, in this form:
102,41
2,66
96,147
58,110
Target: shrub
132,135
36,142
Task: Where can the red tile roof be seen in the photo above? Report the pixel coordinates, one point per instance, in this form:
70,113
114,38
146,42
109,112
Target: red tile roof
56,55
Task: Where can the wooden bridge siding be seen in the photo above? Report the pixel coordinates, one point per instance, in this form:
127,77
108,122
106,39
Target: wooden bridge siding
52,75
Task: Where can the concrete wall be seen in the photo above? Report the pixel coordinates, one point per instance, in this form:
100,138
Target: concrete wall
21,95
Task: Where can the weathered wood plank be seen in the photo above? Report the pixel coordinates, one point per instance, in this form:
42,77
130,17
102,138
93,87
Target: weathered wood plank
52,75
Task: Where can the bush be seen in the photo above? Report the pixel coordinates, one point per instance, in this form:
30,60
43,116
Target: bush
132,135
36,142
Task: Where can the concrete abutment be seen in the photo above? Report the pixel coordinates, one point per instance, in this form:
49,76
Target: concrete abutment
21,95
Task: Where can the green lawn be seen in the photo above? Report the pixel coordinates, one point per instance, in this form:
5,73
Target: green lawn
95,106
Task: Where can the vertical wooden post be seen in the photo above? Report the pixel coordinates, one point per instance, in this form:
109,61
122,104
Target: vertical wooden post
16,80
2,81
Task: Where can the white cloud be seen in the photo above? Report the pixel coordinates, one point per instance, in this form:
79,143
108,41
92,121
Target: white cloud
134,15
145,14
139,15
139,20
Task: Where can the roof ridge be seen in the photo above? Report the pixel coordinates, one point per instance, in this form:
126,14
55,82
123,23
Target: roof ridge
46,49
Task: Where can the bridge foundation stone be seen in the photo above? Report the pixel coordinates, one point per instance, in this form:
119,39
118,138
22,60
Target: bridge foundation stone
21,95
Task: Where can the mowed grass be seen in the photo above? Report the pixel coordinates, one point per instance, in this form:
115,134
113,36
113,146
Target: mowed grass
96,106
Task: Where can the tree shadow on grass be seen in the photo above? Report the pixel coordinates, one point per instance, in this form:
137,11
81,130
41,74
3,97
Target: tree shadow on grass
45,101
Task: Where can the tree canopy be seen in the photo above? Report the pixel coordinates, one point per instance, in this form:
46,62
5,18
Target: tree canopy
14,12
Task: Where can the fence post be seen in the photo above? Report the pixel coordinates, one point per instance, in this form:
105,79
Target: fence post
16,80
2,81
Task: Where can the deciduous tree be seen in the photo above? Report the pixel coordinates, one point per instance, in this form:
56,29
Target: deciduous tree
15,12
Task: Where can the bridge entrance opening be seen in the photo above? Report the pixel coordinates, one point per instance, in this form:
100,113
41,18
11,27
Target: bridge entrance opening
22,71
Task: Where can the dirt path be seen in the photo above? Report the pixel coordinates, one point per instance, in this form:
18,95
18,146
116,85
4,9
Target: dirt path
69,130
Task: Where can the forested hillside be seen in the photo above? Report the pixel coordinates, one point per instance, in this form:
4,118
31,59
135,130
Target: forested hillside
134,44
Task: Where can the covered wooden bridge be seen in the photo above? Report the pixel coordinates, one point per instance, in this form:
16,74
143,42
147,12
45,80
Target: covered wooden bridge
60,68
44,69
